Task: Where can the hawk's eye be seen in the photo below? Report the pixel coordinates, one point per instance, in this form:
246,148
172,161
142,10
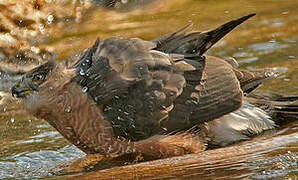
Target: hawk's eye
38,77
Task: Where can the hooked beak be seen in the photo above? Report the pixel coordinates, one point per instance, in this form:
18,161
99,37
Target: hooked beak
20,90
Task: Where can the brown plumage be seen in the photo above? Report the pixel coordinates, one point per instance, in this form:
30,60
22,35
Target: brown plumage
159,98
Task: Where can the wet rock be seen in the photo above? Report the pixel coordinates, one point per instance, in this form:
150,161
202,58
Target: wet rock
26,25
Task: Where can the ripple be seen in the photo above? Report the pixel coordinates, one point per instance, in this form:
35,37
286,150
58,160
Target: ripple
276,166
267,46
47,134
248,60
37,164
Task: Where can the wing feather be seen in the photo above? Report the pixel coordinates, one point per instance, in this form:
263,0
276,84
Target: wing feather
149,87
220,93
209,94
145,92
135,84
251,79
195,42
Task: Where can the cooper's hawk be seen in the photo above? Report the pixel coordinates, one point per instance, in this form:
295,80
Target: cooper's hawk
159,98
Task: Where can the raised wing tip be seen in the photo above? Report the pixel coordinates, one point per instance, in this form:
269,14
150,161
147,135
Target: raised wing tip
219,32
244,18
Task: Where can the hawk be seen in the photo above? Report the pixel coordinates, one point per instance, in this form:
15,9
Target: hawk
159,98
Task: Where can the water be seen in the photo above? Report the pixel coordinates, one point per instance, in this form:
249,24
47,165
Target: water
32,148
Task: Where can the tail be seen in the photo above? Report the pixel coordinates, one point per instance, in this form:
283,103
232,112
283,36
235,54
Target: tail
195,42
282,108
251,79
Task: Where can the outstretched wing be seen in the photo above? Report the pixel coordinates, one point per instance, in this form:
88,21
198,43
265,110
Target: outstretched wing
134,84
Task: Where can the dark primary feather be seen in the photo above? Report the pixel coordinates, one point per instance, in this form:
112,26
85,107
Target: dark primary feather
273,96
195,42
282,108
251,79
219,92
210,93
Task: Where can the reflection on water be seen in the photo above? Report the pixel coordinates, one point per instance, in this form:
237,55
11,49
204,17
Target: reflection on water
30,147
38,163
258,158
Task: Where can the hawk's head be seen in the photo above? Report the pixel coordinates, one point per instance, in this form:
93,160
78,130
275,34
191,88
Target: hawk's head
31,81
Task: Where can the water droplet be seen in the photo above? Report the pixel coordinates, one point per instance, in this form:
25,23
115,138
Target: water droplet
4,109
172,93
68,109
35,49
268,74
82,73
50,18
202,82
291,57
12,120
41,27
272,41
85,89
176,152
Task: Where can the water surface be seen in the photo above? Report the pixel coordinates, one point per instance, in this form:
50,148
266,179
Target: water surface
30,147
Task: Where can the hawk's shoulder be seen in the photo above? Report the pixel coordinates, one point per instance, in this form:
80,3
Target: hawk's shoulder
135,84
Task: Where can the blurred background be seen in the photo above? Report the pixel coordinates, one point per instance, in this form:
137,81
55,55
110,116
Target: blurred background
34,31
